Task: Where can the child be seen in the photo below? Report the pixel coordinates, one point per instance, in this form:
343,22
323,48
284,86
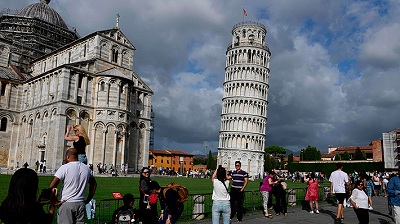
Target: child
312,193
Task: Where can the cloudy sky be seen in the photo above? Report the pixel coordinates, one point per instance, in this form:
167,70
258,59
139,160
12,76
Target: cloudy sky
334,68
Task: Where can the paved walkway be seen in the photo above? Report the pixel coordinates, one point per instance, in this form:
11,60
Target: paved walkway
327,215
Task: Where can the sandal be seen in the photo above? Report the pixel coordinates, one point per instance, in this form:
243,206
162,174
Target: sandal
277,214
269,216
286,214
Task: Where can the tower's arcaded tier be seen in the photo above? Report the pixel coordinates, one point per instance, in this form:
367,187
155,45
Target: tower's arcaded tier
245,100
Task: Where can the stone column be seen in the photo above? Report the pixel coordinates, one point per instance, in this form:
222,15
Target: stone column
91,146
119,95
104,146
123,147
96,90
1,88
75,96
85,86
107,92
126,89
115,148
8,95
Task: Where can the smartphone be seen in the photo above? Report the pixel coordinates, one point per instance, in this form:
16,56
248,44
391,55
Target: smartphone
45,194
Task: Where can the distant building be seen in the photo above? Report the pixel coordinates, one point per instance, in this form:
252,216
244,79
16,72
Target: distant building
373,151
245,101
50,77
175,160
391,146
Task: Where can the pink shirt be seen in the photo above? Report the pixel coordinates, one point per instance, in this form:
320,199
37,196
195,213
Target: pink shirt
265,186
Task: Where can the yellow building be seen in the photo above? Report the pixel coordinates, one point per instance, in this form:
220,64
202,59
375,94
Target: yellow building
175,160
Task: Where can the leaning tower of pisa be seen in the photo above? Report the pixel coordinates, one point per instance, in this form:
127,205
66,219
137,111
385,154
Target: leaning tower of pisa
244,104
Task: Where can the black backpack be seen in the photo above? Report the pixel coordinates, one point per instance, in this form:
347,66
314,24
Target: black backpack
125,217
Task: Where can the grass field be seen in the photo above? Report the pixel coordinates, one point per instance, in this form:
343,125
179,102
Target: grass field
107,185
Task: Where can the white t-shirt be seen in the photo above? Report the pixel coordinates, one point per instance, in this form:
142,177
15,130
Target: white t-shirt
220,193
339,179
360,198
75,177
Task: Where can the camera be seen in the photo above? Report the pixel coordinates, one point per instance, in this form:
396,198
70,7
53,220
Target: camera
46,194
146,198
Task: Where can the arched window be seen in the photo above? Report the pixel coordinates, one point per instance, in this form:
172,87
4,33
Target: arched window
30,126
102,86
3,126
3,88
114,55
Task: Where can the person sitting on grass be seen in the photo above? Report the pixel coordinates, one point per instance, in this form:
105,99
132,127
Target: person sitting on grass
126,211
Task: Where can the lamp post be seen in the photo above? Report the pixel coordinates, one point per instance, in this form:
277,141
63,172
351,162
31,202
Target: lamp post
302,155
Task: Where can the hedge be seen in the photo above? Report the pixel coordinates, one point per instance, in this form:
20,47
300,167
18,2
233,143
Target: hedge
328,168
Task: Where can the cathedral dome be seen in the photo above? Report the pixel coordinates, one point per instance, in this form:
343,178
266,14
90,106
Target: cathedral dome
43,12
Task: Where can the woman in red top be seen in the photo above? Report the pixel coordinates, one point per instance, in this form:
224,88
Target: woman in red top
312,193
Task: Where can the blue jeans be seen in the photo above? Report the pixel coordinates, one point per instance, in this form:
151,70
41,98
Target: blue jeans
223,207
82,158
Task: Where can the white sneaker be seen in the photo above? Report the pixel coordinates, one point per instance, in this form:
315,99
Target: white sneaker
370,208
312,212
317,211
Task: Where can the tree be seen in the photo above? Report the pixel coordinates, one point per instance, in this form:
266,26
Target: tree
199,161
346,156
358,155
337,157
275,150
290,160
364,154
211,161
267,162
311,154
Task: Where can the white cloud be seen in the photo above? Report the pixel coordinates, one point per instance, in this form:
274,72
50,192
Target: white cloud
334,73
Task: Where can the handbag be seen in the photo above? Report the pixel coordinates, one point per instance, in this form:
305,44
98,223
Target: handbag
153,198
150,199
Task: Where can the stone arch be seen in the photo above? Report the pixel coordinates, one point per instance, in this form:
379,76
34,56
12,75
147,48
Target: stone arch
110,125
53,112
9,117
99,124
84,115
142,125
71,113
45,114
38,116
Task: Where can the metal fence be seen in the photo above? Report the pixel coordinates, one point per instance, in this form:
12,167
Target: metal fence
199,206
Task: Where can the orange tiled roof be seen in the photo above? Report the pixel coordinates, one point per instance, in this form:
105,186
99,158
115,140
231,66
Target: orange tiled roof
169,152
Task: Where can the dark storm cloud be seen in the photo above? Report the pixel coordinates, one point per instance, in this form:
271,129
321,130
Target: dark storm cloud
313,98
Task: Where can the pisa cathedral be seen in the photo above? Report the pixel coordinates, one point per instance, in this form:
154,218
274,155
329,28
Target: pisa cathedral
244,103
50,77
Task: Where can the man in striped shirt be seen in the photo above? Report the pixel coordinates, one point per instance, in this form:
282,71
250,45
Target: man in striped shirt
240,179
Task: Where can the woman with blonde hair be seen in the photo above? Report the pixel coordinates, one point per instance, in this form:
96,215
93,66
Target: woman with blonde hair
79,141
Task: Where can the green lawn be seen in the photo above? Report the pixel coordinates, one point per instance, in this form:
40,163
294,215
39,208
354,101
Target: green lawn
107,185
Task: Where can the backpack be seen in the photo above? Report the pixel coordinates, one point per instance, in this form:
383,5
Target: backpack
125,217
182,191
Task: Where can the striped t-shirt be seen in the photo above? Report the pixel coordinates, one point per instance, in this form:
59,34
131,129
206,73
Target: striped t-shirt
238,178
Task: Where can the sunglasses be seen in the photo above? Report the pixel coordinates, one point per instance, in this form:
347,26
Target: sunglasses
146,172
